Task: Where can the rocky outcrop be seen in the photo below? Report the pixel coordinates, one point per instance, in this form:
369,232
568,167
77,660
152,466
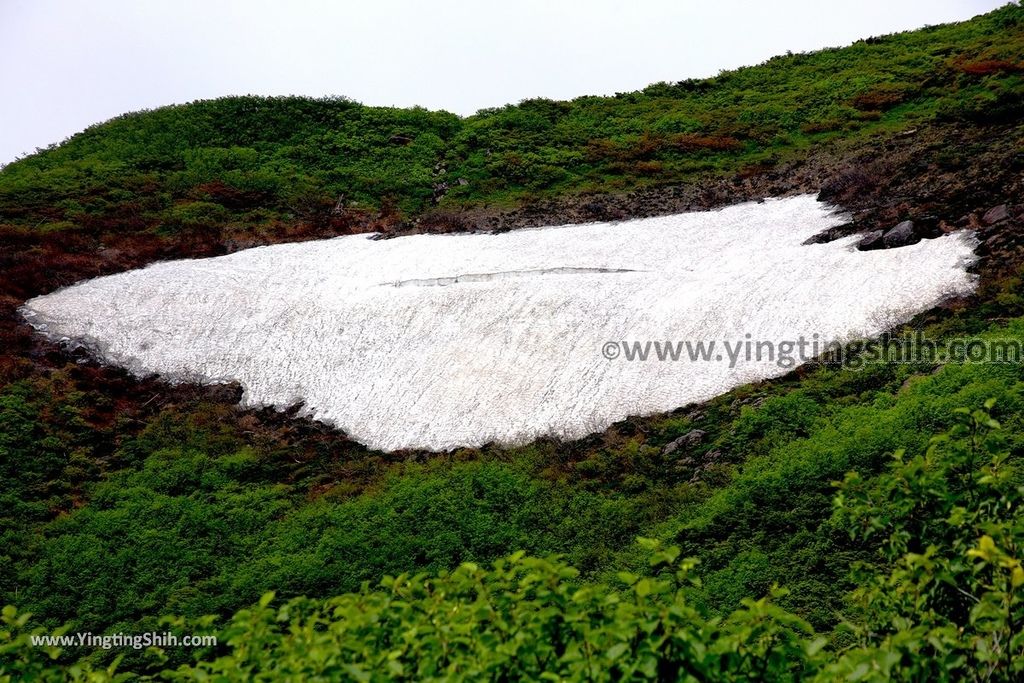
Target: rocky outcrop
995,215
872,240
685,442
901,235
925,177
832,234
693,468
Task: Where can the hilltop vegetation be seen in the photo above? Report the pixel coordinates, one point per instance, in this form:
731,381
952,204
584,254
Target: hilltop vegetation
125,500
257,159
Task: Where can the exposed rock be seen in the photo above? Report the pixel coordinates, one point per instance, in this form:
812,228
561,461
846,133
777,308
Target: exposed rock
928,227
400,139
230,392
851,181
901,235
339,205
687,440
872,240
989,245
833,234
878,186
440,190
753,401
696,468
996,214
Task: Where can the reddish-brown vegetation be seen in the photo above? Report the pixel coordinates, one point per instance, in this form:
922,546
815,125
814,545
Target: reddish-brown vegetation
229,197
689,142
649,145
987,67
812,127
878,99
648,168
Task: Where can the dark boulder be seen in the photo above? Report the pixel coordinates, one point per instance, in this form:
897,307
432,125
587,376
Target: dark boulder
996,214
832,234
900,235
872,240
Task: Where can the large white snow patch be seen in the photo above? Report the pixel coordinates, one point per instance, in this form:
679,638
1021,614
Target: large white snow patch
443,341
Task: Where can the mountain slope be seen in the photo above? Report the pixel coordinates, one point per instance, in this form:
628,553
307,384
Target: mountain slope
124,499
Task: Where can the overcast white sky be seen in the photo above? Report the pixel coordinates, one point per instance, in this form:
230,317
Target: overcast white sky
67,64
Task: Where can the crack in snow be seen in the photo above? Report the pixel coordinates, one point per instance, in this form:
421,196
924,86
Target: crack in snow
503,275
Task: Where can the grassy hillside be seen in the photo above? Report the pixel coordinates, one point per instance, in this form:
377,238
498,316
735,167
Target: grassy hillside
125,500
950,531
258,159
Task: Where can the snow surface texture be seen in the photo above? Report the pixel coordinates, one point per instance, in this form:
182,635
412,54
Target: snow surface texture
439,341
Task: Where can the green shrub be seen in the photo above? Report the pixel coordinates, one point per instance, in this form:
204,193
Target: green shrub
191,215
945,601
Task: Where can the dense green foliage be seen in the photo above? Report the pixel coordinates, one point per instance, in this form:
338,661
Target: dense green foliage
946,602
201,534
116,511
